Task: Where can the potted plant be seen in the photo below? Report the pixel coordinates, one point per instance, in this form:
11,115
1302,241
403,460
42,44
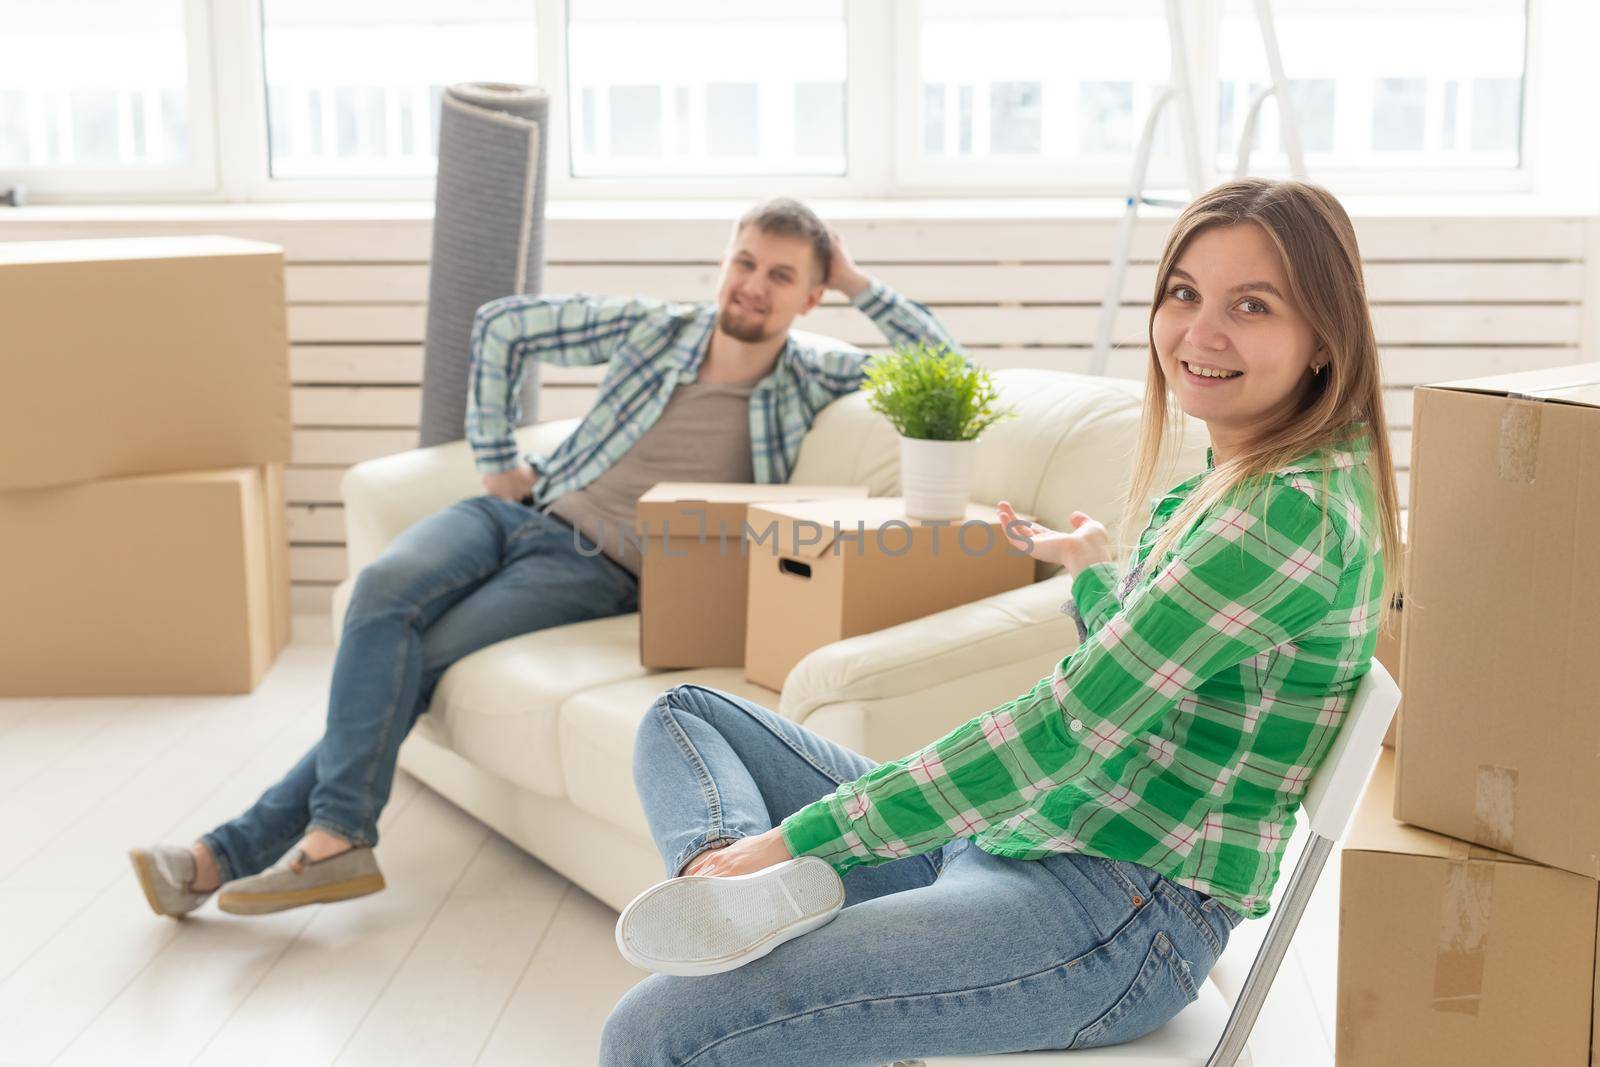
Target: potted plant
939,404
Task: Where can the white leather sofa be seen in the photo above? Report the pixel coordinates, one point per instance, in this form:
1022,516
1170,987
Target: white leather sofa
535,735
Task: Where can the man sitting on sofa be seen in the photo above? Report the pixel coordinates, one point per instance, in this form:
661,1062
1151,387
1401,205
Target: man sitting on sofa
718,391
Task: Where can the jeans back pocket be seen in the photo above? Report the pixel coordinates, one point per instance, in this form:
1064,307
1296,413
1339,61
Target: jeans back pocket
1161,988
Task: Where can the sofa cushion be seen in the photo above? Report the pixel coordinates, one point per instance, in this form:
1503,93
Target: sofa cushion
850,444
596,728
498,706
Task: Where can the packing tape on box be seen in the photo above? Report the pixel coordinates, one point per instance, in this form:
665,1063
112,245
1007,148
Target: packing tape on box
1494,807
1519,442
1464,913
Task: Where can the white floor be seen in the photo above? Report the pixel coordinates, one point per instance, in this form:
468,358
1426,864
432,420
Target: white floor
476,954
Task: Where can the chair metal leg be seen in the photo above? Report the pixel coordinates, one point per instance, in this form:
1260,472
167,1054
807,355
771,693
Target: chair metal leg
1265,968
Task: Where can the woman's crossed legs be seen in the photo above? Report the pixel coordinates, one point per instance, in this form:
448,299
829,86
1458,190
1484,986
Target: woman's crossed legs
956,951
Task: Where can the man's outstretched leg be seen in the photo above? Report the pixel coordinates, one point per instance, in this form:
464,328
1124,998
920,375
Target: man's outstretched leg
479,572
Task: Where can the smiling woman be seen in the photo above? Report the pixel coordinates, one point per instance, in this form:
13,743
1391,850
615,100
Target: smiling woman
1263,278
1073,860
1222,318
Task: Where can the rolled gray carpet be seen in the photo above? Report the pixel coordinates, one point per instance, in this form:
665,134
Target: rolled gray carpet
488,236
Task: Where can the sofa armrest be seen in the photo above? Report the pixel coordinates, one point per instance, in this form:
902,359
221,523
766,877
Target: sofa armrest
383,496
889,692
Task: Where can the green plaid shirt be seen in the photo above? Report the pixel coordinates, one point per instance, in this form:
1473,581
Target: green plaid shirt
1183,730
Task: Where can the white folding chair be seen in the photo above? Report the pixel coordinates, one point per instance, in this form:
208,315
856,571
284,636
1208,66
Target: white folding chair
1190,1039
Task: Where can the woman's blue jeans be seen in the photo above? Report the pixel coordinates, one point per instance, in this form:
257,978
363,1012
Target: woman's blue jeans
478,572
951,952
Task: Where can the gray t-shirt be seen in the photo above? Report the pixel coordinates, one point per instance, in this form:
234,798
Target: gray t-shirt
703,435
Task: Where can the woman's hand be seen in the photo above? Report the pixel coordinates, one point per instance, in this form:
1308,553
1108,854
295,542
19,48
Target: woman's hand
1086,544
744,856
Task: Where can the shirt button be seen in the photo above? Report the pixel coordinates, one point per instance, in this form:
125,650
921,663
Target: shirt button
1077,724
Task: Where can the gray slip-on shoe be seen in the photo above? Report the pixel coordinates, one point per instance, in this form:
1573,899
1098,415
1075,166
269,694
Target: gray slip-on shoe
296,881
697,924
165,873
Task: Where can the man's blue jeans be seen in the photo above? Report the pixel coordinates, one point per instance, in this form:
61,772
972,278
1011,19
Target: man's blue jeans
478,572
952,952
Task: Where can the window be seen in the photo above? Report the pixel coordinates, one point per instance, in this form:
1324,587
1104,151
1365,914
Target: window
1496,114
633,121
731,119
335,99
353,88
1015,121
1380,86
698,88
1399,114
1105,117
99,86
1030,90
819,118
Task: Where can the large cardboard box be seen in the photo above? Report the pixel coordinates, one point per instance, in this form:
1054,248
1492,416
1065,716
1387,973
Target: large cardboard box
1455,955
156,584
827,570
140,356
694,580
1500,742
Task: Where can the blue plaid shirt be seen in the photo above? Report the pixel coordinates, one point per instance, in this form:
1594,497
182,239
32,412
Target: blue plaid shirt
649,346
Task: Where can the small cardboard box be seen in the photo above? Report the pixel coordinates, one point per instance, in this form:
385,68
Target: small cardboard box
156,584
694,574
1452,955
1500,742
827,570
140,356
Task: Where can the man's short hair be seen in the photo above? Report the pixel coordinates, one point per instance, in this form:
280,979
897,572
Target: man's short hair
787,217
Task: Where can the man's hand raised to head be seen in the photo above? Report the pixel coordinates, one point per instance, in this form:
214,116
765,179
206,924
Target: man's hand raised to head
842,272
513,485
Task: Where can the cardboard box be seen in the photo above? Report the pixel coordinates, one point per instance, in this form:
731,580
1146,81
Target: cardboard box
694,579
1389,642
140,356
1500,742
157,584
1452,954
834,569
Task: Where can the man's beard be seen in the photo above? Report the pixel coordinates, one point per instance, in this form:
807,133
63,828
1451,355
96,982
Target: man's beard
748,331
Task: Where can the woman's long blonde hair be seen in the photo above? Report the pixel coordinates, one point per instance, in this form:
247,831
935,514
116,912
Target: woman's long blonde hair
1317,245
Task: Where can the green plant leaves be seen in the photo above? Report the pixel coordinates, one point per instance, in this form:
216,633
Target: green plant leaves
930,393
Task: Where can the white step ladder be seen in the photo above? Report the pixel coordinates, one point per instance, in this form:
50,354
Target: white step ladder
1180,93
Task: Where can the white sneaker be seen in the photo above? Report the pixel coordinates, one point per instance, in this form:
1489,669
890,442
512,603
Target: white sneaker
696,924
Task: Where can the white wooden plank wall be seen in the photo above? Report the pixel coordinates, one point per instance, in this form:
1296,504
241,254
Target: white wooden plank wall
1451,298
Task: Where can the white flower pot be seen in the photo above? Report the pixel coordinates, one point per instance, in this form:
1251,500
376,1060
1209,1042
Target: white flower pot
936,477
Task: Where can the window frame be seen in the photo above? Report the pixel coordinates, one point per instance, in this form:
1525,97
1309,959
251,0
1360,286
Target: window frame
1402,181
1077,177
230,161
198,176
867,30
